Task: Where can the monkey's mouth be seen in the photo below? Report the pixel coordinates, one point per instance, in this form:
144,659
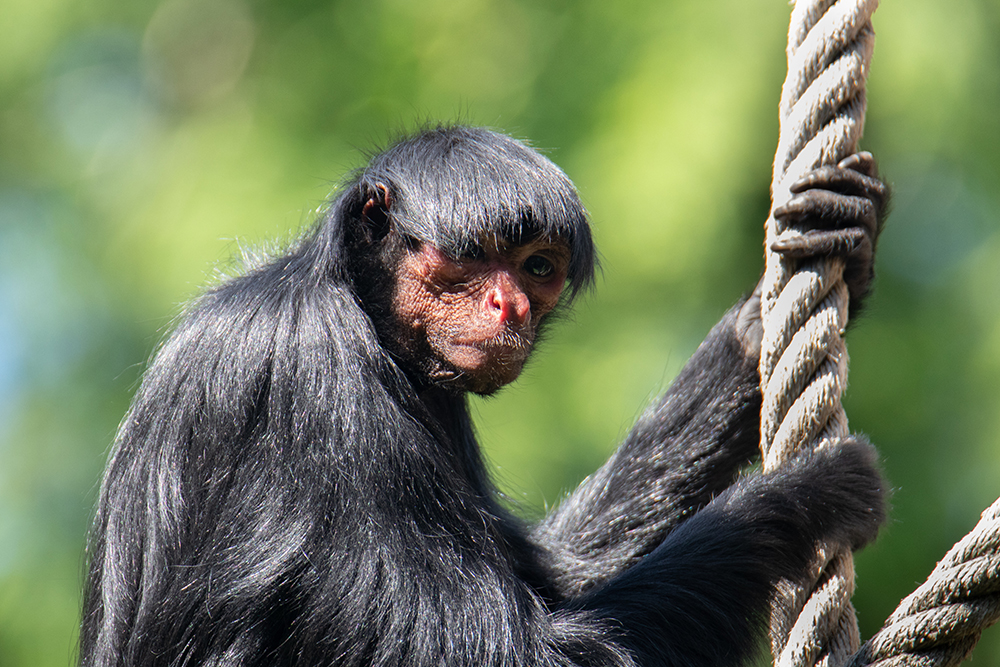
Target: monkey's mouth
493,361
510,341
509,344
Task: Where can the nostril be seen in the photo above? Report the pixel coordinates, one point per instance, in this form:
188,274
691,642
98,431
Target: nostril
508,307
496,304
522,308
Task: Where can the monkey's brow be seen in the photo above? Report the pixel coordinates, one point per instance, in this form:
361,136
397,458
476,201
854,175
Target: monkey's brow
520,231
502,244
512,236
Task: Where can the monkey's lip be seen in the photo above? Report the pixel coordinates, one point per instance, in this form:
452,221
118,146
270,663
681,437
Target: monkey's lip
505,342
471,355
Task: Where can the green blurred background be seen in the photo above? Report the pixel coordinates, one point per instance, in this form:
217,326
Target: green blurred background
144,144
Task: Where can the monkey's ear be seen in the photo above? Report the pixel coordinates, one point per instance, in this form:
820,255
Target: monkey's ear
375,213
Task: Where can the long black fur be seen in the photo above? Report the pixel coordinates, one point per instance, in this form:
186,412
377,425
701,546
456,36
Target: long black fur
280,493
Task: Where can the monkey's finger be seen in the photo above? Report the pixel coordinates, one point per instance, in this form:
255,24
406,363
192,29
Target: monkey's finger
823,209
853,244
843,181
814,243
863,162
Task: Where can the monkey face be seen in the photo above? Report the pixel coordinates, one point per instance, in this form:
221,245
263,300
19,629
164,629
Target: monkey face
476,315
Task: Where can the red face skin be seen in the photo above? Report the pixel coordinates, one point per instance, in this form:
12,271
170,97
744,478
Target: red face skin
478,315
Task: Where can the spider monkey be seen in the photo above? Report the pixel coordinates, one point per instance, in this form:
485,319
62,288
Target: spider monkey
298,480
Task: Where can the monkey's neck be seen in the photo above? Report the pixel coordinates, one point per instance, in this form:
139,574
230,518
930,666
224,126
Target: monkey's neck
448,413
452,426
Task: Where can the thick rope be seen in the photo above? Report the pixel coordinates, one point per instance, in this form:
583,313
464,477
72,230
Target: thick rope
803,364
803,372
939,624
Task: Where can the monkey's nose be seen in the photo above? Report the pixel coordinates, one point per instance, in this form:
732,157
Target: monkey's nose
509,305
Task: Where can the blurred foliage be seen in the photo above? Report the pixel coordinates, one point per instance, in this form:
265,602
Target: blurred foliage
143,144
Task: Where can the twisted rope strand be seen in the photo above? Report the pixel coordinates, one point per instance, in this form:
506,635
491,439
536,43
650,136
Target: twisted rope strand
803,363
939,623
803,370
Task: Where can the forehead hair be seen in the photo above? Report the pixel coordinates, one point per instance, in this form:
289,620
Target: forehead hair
453,187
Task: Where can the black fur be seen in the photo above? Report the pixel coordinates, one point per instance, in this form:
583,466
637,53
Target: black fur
280,494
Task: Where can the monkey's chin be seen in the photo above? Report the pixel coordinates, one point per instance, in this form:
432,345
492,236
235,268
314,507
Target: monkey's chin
484,371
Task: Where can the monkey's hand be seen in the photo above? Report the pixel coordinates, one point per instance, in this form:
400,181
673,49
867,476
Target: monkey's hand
839,212
836,491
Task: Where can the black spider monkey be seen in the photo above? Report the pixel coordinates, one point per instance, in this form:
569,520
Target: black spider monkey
298,482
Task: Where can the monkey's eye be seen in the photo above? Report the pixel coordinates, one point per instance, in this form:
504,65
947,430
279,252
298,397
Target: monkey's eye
472,253
538,266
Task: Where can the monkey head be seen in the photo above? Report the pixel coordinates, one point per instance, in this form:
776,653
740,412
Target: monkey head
474,318
460,241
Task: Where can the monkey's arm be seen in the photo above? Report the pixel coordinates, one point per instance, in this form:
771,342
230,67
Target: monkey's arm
685,449
701,596
691,444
